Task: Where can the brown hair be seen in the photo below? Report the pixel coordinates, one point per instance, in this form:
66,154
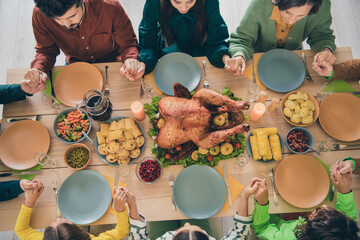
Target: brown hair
194,235
327,224
65,231
200,29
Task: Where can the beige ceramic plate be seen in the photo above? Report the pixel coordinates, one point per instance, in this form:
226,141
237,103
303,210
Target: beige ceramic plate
302,181
74,80
20,142
339,116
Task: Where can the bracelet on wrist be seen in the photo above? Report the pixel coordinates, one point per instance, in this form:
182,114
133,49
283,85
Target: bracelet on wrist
351,159
332,74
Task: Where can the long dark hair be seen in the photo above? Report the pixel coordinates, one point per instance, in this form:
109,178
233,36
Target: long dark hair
327,224
56,8
187,235
200,29
65,231
286,4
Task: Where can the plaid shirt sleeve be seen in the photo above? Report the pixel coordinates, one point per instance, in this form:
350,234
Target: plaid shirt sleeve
241,228
138,229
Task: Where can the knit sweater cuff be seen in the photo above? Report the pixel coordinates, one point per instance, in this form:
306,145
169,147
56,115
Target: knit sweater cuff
339,72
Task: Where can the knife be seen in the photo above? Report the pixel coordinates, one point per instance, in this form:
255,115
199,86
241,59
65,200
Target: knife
115,184
51,83
35,118
20,173
227,184
307,74
206,83
141,89
253,69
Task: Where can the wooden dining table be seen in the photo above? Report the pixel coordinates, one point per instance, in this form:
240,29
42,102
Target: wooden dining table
154,200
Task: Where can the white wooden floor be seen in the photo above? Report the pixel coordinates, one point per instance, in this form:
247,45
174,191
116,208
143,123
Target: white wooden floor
17,41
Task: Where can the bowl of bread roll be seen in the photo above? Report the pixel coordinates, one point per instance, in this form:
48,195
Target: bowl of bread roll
120,140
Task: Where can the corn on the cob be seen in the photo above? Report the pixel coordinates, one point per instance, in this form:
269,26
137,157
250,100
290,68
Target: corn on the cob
255,148
275,147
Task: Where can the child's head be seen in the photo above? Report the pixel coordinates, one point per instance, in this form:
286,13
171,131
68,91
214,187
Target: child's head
63,229
328,224
190,232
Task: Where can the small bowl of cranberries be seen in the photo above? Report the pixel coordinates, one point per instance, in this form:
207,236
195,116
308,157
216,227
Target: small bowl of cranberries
297,140
148,170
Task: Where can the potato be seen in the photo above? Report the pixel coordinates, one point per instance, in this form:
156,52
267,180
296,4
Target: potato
307,119
291,104
304,112
287,112
302,95
297,109
309,104
300,101
295,118
293,97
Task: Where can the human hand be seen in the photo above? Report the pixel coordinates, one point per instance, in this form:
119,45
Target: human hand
251,187
119,199
261,194
343,166
132,69
26,184
29,87
37,77
131,200
235,65
32,195
341,181
323,68
324,55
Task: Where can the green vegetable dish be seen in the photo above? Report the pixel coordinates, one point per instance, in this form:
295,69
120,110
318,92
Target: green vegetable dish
78,157
71,125
232,147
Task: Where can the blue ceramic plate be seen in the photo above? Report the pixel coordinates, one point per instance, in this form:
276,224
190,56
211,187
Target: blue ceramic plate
176,68
66,111
281,70
199,191
248,146
103,157
84,197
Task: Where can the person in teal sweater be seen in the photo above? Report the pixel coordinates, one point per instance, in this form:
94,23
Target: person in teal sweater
270,24
194,27
11,189
324,223
17,92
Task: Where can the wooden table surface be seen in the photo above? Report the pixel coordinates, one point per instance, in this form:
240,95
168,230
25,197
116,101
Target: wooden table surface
154,200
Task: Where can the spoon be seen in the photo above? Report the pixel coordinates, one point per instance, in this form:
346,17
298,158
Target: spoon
87,137
315,150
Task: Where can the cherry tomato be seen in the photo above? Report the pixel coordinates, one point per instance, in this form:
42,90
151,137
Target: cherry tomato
210,158
238,145
178,148
228,140
167,156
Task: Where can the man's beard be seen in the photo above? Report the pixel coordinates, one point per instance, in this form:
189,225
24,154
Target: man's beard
73,28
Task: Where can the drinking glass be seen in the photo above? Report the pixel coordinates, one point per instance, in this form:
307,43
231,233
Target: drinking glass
52,102
321,94
241,160
46,161
124,169
253,91
327,145
147,86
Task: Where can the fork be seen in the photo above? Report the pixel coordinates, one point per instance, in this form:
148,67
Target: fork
55,186
206,83
171,183
271,175
307,74
107,90
338,146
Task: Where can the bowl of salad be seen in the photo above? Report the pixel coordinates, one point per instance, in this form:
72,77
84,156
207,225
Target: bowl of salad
70,123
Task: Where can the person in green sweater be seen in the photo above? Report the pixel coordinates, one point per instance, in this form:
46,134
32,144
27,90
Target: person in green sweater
324,223
194,27
270,24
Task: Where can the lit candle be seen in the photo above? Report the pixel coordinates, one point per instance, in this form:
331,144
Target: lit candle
138,110
257,112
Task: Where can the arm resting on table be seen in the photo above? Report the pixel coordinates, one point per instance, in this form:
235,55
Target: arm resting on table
22,227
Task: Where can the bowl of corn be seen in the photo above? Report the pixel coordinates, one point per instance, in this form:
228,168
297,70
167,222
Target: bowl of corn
77,156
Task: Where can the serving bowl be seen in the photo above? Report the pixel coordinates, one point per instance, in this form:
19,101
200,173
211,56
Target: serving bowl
148,170
315,112
61,115
77,156
306,134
